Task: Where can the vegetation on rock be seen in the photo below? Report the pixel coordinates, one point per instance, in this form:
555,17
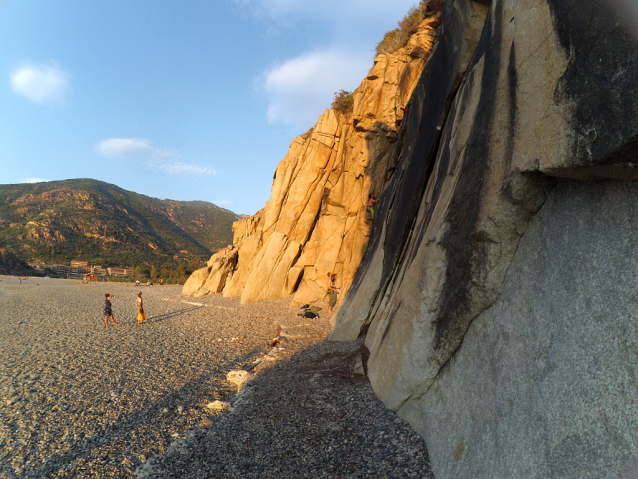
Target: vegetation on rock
84,219
343,102
308,133
398,38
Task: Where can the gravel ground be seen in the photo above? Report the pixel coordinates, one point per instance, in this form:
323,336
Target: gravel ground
80,400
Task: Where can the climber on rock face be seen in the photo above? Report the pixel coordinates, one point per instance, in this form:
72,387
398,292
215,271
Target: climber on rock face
372,199
332,291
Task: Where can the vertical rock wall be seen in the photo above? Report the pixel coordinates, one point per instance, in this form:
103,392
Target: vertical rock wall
476,289
544,382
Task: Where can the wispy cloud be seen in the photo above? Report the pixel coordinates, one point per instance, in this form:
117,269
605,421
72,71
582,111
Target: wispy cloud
41,83
158,159
222,202
34,180
168,162
301,88
124,147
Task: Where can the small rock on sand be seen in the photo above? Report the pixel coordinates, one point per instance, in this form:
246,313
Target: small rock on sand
238,377
217,406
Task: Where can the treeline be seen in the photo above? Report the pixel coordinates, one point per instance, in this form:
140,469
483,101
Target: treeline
169,272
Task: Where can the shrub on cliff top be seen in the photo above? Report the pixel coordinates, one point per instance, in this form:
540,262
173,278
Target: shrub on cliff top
410,23
392,41
308,134
343,102
398,38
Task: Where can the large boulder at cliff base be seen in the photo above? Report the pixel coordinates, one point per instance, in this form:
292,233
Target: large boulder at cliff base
195,281
212,278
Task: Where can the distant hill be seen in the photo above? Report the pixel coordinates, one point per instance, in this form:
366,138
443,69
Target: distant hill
10,264
85,219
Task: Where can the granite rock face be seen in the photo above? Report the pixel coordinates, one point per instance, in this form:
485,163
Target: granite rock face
544,382
316,220
477,284
213,277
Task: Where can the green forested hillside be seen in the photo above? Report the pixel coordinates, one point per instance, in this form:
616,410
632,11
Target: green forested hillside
84,219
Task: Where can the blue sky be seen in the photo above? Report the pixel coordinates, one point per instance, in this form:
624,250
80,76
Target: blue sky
188,100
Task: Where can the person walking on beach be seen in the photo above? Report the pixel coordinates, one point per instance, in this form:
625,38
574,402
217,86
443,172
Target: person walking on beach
108,311
139,305
332,292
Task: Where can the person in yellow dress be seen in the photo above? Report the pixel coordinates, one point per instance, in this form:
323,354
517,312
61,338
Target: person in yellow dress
139,305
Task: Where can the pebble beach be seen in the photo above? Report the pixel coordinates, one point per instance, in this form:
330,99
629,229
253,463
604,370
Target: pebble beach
79,400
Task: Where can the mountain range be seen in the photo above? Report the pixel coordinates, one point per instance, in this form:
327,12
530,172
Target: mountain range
86,219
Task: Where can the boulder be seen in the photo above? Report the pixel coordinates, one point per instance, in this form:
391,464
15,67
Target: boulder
195,282
221,266
212,278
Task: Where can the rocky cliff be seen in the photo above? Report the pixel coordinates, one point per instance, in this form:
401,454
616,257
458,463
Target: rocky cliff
316,220
497,293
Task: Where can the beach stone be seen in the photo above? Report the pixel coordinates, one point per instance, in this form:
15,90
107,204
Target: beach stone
217,405
239,377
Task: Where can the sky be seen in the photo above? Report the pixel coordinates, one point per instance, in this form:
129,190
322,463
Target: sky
188,100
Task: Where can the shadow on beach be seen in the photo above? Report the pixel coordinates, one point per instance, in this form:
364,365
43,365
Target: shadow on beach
124,428
163,317
307,416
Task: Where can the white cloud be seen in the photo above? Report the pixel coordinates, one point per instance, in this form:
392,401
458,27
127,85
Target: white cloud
340,55
124,147
168,162
34,180
301,88
222,202
158,159
41,83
